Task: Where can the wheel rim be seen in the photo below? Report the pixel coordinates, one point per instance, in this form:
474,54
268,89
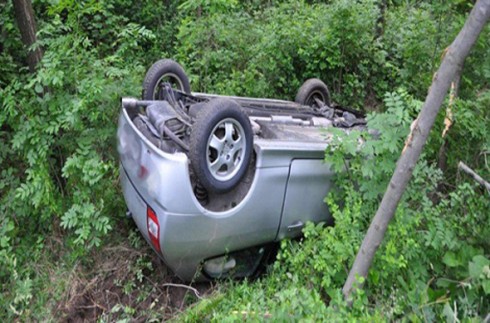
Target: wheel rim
171,78
225,149
315,95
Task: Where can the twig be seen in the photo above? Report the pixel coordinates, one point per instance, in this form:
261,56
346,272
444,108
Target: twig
437,301
97,305
475,176
183,286
85,289
157,287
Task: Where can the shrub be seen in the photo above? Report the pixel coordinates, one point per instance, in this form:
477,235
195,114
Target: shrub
58,158
272,52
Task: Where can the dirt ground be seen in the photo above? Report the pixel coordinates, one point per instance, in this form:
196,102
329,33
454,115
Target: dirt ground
125,282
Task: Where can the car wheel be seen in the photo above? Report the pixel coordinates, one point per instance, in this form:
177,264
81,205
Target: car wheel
311,91
220,145
164,70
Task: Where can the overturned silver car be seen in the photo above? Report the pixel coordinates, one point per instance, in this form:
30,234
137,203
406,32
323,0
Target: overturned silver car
213,181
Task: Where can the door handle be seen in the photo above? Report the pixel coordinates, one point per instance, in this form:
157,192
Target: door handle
295,226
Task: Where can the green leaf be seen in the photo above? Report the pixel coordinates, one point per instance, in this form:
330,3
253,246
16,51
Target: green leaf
449,314
477,265
486,286
38,88
451,260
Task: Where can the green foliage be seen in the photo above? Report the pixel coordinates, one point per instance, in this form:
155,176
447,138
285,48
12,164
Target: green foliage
372,155
268,50
49,126
267,59
416,37
423,230
208,6
471,120
58,159
9,39
416,41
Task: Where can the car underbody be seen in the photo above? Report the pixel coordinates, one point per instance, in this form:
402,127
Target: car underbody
283,122
211,181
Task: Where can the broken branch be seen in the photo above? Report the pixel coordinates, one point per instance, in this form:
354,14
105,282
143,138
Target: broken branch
473,174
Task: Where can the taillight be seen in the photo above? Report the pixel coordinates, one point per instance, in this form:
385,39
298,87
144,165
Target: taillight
142,172
153,228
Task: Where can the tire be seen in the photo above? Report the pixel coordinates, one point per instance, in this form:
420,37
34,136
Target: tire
164,70
195,108
311,89
221,144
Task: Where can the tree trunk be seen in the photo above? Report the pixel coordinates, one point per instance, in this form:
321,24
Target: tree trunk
24,15
381,21
453,60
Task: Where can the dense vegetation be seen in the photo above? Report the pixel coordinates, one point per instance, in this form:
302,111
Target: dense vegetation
60,203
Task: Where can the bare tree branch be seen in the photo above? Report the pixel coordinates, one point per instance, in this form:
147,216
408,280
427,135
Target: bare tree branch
473,174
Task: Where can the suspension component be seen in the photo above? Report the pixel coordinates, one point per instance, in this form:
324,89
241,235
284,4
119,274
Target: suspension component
201,194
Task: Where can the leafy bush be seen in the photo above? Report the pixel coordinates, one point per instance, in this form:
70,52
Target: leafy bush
471,119
272,51
416,36
58,157
266,59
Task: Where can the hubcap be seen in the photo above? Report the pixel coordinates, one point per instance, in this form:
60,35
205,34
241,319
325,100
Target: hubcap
226,149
